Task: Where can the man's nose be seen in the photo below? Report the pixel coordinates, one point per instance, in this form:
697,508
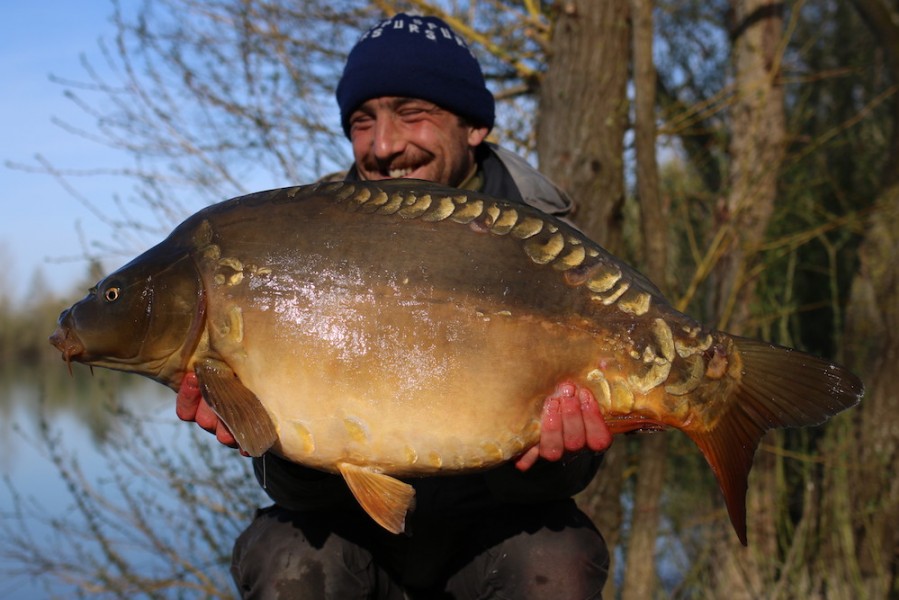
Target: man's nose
389,140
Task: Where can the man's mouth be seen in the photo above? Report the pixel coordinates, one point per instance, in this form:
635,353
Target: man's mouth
397,173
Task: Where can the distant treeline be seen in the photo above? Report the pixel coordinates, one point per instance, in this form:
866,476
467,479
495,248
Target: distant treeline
26,325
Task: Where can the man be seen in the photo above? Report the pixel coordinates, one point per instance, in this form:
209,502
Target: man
414,104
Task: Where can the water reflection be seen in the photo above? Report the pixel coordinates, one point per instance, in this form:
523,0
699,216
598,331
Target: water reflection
87,402
102,460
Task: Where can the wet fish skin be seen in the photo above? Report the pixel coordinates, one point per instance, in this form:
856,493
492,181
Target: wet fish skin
434,321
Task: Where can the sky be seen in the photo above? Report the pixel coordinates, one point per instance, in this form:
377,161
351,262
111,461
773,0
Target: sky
43,227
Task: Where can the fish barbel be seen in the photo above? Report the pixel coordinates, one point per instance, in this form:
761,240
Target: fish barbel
403,329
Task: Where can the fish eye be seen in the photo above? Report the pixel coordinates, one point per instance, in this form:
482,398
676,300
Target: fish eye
112,293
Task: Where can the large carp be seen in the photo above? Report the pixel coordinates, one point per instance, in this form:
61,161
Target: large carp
402,329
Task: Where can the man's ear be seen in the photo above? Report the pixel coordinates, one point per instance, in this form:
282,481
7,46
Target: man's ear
476,135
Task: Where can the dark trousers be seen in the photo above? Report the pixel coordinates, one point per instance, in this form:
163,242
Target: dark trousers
549,551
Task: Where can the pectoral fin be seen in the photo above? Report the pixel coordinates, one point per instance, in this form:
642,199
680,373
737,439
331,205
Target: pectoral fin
237,407
384,498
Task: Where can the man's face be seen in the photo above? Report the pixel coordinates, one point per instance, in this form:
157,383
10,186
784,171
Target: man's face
406,137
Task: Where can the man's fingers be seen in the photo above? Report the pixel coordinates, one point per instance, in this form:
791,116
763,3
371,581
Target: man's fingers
551,443
188,399
190,406
208,420
206,417
527,460
573,434
598,436
224,435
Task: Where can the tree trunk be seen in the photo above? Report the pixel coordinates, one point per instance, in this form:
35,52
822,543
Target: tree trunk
756,153
640,576
756,149
866,542
872,555
583,113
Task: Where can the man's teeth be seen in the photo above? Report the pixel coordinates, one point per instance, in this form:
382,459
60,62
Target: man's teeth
397,173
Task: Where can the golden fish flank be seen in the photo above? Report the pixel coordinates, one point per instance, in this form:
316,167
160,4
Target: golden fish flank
486,317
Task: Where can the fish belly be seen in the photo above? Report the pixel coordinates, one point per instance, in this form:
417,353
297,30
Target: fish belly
406,386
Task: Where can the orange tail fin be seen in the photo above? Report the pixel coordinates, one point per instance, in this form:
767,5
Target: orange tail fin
780,387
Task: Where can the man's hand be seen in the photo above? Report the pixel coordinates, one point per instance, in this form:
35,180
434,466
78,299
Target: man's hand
190,406
571,422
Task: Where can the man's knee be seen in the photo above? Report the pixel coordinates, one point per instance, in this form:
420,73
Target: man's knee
569,563
284,556
548,552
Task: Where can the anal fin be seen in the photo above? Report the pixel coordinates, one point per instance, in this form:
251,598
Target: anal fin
385,498
237,407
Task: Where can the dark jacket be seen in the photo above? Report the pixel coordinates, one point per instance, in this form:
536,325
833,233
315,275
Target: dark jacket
508,176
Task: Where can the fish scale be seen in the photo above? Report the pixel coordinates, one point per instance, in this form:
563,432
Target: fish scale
402,329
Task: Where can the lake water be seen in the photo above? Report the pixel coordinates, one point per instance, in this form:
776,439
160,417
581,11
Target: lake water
104,488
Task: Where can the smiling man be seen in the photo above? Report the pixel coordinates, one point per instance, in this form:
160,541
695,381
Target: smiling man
408,137
414,103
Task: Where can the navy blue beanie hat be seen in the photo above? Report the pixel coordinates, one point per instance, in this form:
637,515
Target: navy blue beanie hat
415,57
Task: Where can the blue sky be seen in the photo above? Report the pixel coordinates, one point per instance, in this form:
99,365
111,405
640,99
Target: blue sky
44,228
38,229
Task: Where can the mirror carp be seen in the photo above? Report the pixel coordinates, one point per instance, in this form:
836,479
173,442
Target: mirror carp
402,329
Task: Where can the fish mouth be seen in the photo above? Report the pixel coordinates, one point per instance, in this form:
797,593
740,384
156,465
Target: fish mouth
68,343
